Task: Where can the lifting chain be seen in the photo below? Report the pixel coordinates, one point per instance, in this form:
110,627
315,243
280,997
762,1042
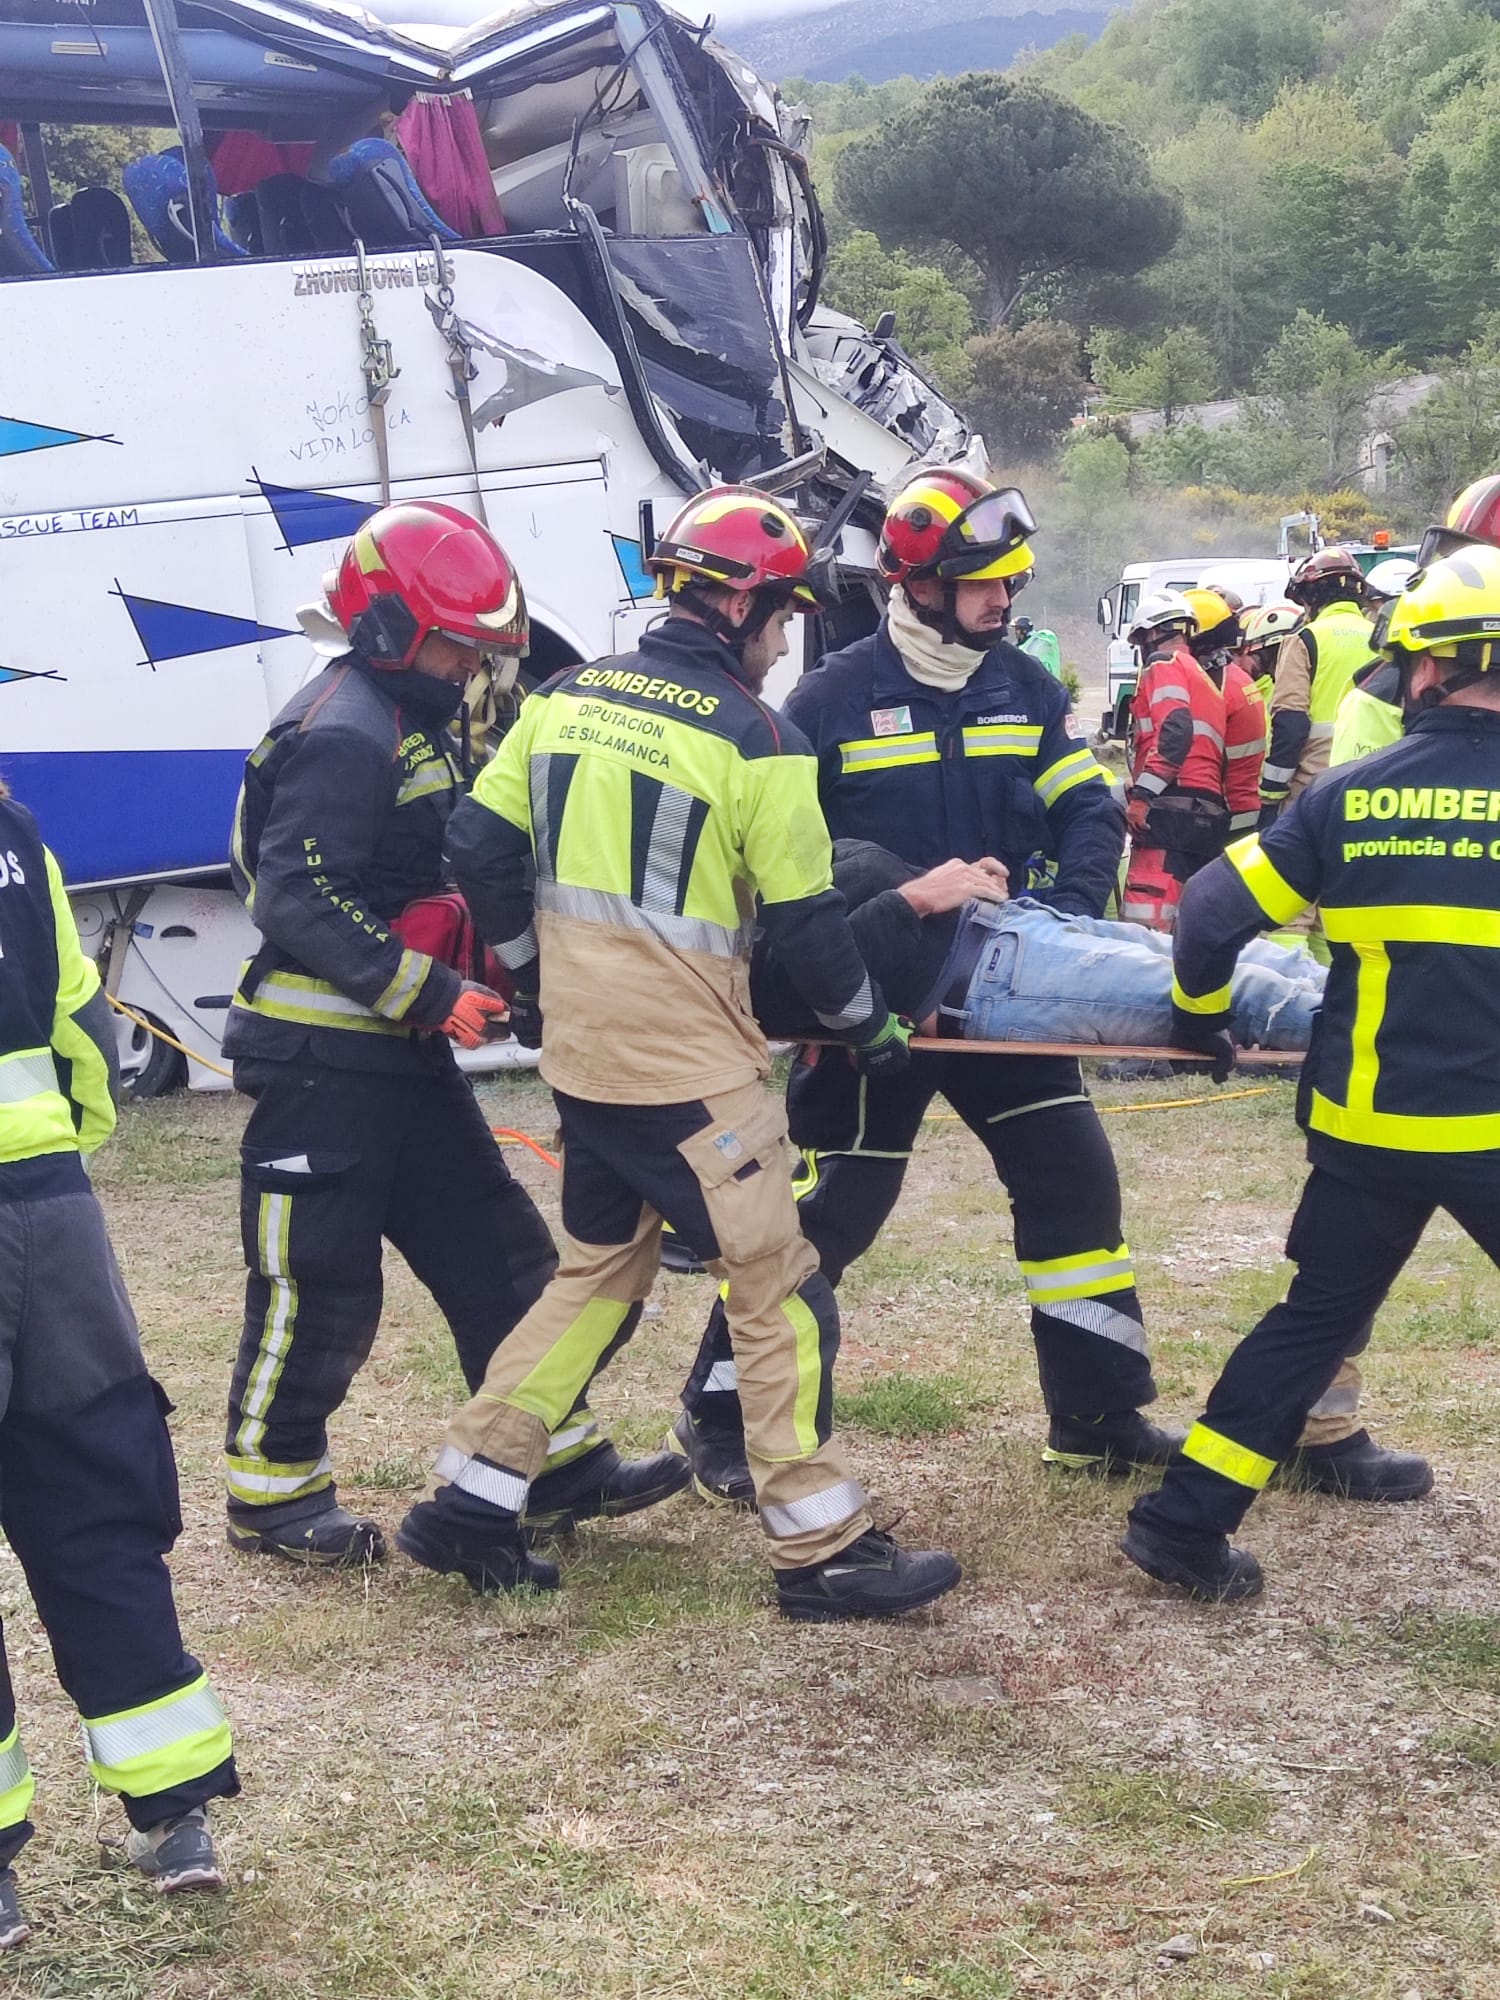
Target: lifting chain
380,371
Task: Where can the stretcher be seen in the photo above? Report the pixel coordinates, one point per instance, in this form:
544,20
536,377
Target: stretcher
1104,1051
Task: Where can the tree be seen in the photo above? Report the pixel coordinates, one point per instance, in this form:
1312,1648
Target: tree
1319,385
1454,435
1028,385
1237,55
1095,510
1020,179
1177,371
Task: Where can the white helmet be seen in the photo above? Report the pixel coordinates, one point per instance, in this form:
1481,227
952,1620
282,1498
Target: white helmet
1271,623
1161,611
1390,578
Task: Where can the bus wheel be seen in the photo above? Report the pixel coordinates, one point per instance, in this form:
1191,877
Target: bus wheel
148,1067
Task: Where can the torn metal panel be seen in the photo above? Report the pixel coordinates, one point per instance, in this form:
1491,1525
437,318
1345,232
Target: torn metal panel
880,379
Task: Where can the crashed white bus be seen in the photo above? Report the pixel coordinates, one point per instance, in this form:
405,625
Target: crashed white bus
205,388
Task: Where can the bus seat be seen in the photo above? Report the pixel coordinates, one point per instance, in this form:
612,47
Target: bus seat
157,189
242,220
283,230
21,256
380,199
91,232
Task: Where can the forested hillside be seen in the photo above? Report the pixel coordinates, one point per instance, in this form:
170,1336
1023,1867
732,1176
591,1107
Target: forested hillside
1333,178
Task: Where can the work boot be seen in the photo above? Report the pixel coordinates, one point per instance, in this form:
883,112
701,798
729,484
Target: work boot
601,1483
1206,1566
1356,1468
178,1854
716,1459
14,1928
497,1559
871,1578
313,1532
1110,1446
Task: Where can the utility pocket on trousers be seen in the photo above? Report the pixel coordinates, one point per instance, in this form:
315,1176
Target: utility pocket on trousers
743,1166
294,1173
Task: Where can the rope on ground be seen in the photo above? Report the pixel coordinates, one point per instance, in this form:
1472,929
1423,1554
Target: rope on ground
520,1139
1159,1104
170,1040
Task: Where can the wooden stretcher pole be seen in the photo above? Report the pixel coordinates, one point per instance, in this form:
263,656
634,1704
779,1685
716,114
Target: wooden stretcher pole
1103,1051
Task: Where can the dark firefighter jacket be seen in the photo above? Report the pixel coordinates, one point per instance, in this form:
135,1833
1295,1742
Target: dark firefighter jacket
1401,852
339,825
636,812
999,768
57,1040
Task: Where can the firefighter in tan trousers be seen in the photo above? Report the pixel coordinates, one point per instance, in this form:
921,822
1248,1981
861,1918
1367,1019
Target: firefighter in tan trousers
636,811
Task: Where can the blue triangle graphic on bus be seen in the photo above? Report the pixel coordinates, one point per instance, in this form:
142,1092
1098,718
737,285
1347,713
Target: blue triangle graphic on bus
16,435
305,515
175,631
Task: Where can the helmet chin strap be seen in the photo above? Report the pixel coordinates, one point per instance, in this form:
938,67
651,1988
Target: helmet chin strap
1433,697
945,623
764,606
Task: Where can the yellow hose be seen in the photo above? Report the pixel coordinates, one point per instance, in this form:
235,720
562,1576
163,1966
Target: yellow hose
170,1040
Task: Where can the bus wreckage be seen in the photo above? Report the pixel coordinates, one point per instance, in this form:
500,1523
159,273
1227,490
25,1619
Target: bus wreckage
559,266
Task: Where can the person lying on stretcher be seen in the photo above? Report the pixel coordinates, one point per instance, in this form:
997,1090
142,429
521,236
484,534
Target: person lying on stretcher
954,953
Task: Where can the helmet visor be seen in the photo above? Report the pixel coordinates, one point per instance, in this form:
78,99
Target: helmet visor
1441,540
994,526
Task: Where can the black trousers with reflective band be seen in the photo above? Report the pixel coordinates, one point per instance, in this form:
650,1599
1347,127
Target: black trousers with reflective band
1052,1158
1355,1227
333,1162
88,1503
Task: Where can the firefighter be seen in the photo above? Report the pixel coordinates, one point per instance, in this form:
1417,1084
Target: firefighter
1314,671
1264,630
937,738
1216,646
1401,1095
1175,804
613,852
1369,716
364,1127
88,1486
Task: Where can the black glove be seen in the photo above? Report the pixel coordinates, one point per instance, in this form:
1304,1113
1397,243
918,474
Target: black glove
526,1019
1269,814
885,1053
1197,1032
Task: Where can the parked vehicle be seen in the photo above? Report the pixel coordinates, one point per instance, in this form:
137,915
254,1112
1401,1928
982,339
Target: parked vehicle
185,442
1257,579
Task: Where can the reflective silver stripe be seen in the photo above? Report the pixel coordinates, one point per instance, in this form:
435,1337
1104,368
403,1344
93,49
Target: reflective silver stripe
561,1441
1342,1400
14,1769
26,1074
1024,740
1171,693
1320,731
276,1482
1242,822
294,992
722,1377
1207,729
118,1742
538,774
859,1008
819,1510
669,829
1280,774
918,749
1096,1317
519,951
404,988
1077,1274
1081,764
1151,781
604,906
1245,749
485,1482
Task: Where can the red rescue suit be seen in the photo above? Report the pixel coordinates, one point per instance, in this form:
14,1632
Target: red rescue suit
1245,738
1178,724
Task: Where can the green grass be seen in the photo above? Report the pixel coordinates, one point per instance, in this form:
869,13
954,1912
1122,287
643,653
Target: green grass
907,1406
1159,1806
1458,1647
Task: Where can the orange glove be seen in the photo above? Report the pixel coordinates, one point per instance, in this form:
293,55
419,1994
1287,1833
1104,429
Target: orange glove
1137,808
478,1017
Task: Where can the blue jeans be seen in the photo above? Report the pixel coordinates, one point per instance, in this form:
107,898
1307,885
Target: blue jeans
1046,977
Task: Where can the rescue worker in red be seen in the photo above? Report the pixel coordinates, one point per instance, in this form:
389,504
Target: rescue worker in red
364,1127
936,738
1175,806
1216,646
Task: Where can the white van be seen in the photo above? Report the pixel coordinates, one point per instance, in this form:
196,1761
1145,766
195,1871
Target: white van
1257,580
188,435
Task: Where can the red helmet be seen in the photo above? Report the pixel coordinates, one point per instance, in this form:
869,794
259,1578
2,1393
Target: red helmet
1331,573
1473,517
950,523
422,567
739,537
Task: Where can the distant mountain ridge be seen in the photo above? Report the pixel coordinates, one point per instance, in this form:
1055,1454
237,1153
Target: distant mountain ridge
880,39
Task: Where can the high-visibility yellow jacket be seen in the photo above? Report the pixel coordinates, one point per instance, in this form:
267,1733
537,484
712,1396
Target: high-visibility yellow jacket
57,1048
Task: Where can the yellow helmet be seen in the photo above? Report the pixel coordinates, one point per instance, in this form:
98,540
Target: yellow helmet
1450,609
1212,612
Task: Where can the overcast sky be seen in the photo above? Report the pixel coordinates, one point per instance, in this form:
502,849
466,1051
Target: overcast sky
732,12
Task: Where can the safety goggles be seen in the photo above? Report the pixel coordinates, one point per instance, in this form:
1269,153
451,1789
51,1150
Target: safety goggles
987,529
1440,541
